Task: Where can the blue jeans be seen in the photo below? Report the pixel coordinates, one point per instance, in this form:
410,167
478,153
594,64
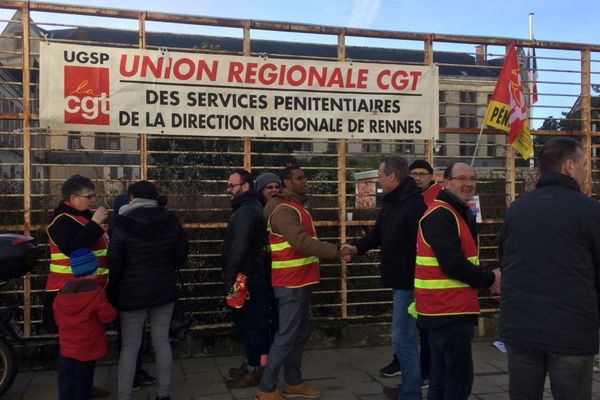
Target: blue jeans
404,342
570,376
451,375
75,378
252,319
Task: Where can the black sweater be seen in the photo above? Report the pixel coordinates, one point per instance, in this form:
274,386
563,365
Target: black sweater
550,256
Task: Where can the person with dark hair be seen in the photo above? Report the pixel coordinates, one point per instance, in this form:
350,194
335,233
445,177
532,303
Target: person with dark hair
73,226
81,310
147,247
295,252
447,276
244,248
549,251
395,233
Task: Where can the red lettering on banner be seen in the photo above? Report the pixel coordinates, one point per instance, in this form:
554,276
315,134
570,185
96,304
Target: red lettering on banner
162,67
86,91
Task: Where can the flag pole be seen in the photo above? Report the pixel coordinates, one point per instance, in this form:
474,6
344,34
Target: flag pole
530,95
477,144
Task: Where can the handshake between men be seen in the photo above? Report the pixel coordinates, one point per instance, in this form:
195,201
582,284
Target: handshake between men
347,251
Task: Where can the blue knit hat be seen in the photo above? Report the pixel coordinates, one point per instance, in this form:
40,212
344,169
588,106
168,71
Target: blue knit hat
83,262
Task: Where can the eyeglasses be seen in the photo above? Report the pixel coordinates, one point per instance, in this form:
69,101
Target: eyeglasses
463,179
232,185
87,196
272,187
420,174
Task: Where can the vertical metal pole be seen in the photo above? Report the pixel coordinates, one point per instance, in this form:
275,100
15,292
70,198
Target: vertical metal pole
247,139
510,170
342,193
428,150
26,163
586,117
143,136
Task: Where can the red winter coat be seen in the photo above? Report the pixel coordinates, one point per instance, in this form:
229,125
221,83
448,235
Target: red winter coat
81,310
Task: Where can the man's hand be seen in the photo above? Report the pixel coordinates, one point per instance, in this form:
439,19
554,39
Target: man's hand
100,215
495,288
347,251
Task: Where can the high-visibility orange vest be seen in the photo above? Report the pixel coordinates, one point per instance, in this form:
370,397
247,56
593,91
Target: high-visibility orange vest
290,268
60,264
435,293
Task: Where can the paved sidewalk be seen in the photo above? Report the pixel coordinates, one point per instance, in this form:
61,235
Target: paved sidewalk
341,374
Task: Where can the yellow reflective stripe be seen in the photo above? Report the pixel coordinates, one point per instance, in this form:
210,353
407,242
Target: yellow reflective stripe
61,256
299,262
279,246
427,261
439,284
60,269
100,253
433,262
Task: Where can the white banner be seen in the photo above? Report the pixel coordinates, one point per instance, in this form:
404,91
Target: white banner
103,89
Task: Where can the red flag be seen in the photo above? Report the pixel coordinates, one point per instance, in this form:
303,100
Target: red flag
507,110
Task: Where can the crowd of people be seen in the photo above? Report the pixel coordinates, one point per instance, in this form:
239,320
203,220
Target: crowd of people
548,279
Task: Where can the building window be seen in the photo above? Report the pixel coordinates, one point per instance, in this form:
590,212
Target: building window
491,148
74,140
107,141
468,97
332,146
468,121
440,148
405,148
306,147
467,148
371,146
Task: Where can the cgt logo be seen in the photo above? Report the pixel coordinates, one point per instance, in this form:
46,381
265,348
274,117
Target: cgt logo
86,95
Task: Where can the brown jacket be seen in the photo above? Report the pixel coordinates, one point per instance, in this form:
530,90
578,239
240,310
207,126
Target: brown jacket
285,221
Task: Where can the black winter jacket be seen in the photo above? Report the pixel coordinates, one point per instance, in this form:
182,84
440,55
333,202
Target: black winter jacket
440,231
146,248
395,232
244,246
550,257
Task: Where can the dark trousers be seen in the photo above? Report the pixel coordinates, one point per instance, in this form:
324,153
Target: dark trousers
570,376
425,356
451,375
75,378
287,348
252,319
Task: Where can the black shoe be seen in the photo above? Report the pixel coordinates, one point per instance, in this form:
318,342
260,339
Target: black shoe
136,386
393,369
142,378
392,392
425,383
163,398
